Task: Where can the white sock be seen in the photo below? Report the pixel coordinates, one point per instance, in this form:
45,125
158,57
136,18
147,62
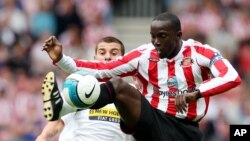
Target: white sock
66,108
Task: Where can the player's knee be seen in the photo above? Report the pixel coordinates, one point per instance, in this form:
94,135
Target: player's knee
119,85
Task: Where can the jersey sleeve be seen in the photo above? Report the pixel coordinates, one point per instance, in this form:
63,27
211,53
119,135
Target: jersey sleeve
123,66
223,75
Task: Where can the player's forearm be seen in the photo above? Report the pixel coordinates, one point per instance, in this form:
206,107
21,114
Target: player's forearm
49,133
226,79
67,64
50,130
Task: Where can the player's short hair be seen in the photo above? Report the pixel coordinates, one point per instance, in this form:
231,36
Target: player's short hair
174,20
111,39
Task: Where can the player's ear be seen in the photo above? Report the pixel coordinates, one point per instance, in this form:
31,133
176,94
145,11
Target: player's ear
179,34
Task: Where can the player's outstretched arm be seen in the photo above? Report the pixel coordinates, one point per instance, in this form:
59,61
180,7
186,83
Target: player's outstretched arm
50,130
53,48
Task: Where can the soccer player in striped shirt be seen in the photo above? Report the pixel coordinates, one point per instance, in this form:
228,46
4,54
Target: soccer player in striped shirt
178,77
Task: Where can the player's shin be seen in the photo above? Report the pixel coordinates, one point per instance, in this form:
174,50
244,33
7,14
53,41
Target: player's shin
107,95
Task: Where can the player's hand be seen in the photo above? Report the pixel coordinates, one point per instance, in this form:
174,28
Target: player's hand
53,48
181,101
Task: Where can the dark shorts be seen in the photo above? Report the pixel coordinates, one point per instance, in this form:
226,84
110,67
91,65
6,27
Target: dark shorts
155,125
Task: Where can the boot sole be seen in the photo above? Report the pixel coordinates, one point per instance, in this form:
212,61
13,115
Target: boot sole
47,87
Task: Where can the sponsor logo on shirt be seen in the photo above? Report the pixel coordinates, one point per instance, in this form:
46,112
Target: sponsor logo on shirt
172,93
104,114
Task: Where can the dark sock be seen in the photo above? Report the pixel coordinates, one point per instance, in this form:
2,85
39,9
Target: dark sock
107,95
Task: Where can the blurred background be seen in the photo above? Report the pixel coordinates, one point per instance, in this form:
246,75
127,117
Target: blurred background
78,24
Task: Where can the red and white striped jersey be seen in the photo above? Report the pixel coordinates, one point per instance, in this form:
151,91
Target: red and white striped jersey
196,66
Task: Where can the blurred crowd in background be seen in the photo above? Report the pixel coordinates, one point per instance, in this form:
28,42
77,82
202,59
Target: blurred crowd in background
79,24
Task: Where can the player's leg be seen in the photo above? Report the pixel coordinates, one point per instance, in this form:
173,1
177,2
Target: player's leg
136,112
127,102
126,98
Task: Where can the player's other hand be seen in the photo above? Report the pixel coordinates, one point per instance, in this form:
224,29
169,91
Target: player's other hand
182,100
53,48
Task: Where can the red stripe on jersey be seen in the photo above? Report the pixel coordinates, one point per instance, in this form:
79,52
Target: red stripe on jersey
129,73
204,51
125,74
153,77
144,84
189,76
188,72
221,67
108,65
205,74
103,80
222,88
207,99
171,109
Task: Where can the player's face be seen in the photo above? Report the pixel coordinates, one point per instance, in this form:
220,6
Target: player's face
165,39
107,51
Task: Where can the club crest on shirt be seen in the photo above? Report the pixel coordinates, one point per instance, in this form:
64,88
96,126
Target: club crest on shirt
172,82
186,62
